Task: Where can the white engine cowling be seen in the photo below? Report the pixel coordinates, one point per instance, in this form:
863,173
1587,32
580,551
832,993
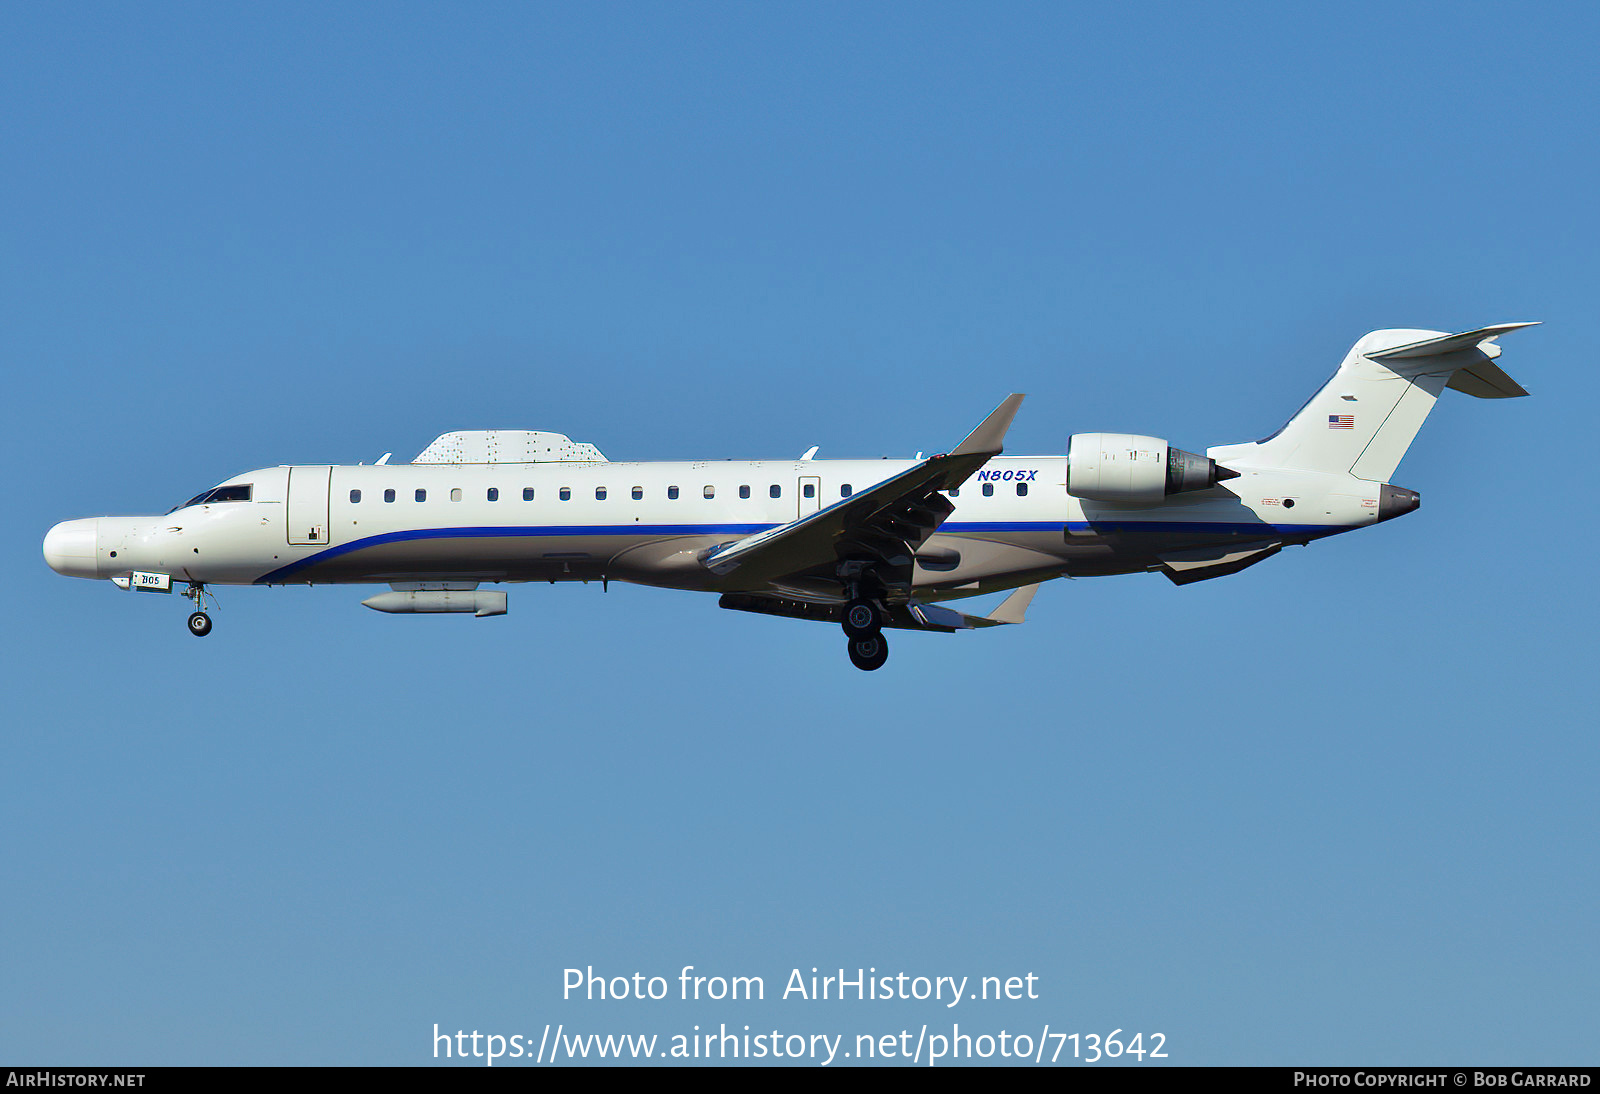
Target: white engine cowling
1129,468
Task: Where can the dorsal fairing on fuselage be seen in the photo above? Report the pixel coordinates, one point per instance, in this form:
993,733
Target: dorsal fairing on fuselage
507,446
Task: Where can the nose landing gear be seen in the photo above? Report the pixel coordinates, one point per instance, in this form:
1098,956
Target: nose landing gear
199,621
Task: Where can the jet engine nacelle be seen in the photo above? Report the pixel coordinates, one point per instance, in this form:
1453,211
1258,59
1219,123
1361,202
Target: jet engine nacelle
1129,468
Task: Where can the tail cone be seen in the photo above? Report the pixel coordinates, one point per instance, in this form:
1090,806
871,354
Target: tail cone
1396,501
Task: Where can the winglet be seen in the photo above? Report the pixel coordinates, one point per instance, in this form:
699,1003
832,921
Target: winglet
1014,607
986,439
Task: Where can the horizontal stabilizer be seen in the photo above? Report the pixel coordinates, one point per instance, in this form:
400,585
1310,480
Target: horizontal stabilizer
1486,380
1449,343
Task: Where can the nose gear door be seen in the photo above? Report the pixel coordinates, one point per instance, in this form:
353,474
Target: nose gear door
308,505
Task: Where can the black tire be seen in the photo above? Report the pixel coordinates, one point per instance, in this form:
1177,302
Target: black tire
861,619
199,624
869,652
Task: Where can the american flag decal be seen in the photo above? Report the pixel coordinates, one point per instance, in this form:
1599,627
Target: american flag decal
1341,421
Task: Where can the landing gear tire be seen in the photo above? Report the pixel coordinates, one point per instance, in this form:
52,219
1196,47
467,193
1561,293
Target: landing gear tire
861,619
199,624
869,652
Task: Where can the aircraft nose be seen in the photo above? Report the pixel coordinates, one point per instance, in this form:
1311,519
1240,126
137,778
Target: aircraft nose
71,546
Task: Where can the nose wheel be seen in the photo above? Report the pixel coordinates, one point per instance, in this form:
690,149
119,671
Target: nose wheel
199,621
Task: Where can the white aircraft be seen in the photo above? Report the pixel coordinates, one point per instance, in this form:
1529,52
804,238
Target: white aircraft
867,544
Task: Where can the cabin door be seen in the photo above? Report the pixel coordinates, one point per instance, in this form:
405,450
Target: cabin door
308,505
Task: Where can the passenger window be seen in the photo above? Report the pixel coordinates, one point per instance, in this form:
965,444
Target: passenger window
710,491
988,489
422,495
845,491
494,493
744,491
672,493
599,493
388,495
774,491
809,490
527,493
566,493
455,494
638,493
1022,489
355,497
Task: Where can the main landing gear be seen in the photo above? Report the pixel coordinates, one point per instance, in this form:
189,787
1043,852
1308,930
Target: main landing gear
863,627
199,621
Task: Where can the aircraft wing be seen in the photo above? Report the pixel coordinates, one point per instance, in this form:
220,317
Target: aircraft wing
882,526
911,616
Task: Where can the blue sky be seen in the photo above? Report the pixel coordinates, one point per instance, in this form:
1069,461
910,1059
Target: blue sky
1338,809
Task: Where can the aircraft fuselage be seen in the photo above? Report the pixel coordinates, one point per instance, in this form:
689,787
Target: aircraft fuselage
649,523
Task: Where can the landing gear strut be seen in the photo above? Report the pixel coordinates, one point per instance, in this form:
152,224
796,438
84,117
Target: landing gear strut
869,652
199,621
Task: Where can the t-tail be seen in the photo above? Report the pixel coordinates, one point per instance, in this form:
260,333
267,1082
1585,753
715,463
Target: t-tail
1364,419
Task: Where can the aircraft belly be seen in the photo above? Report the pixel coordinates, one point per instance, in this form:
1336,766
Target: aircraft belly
1104,549
977,557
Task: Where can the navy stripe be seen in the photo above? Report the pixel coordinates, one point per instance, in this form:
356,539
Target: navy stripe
512,532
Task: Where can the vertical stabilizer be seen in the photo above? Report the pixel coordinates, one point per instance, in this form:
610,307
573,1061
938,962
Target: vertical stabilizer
1364,419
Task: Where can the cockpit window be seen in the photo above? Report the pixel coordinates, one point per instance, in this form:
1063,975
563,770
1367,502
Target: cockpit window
239,491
